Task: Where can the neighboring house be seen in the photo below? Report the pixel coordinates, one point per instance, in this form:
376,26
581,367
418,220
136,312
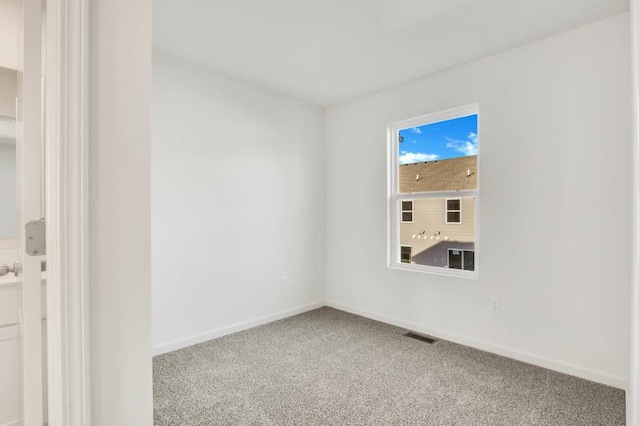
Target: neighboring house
438,231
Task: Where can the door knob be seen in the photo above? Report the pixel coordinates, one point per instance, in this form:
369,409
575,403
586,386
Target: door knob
15,268
5,269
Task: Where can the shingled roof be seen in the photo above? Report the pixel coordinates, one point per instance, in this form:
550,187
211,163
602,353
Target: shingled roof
439,175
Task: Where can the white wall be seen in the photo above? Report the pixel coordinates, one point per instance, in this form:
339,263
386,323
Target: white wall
555,179
238,201
120,107
9,31
8,92
8,212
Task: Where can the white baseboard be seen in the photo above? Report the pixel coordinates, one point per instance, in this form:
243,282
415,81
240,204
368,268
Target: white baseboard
541,361
12,423
230,329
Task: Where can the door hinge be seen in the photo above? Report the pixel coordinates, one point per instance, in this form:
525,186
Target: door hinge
35,235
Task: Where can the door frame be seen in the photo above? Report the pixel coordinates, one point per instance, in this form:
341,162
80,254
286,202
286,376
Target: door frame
633,386
67,179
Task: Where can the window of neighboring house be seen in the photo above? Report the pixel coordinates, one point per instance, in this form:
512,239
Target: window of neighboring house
434,167
405,254
453,210
407,211
461,259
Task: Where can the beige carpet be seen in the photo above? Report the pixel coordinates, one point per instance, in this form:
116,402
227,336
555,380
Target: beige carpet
327,367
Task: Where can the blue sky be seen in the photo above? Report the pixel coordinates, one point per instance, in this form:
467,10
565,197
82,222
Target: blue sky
439,141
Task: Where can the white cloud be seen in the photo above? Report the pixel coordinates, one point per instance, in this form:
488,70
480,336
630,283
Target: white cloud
415,130
415,157
468,147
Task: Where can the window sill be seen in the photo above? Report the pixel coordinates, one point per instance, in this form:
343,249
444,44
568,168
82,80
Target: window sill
434,270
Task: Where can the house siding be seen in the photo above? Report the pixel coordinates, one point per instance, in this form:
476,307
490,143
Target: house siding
429,218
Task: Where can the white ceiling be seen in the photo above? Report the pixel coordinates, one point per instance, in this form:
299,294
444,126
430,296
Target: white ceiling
330,51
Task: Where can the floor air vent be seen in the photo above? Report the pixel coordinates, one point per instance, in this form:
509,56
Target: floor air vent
422,337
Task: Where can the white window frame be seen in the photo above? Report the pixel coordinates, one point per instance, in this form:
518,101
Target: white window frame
446,211
403,211
449,250
394,198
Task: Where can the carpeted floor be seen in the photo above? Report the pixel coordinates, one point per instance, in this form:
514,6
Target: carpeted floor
328,367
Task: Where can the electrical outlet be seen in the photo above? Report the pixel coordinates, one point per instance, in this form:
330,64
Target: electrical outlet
284,281
495,305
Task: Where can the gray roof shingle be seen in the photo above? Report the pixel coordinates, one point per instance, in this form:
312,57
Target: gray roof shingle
439,175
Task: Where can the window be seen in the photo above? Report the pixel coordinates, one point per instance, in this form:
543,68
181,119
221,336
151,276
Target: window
462,259
433,179
454,210
407,211
405,254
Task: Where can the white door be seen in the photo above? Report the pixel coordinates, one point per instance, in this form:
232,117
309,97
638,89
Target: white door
30,208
